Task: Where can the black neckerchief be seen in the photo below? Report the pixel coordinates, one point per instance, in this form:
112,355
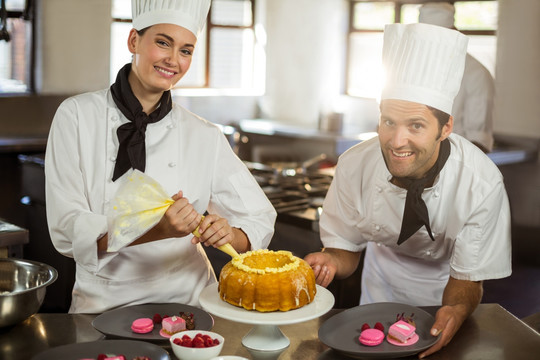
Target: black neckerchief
132,149
415,213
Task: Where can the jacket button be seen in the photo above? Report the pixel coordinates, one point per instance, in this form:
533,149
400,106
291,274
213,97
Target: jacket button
172,164
377,227
112,158
114,118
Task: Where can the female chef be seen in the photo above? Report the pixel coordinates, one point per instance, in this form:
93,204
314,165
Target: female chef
95,138
427,206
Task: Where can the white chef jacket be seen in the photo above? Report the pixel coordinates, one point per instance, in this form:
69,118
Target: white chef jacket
469,217
473,105
183,152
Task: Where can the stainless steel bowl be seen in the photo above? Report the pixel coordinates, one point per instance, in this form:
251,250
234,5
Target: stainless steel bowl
23,285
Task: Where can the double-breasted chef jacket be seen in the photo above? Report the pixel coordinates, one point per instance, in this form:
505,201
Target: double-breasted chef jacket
183,152
469,217
473,105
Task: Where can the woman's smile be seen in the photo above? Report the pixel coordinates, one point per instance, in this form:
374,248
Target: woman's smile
168,74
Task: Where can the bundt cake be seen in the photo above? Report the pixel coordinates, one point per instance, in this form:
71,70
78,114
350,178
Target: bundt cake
266,280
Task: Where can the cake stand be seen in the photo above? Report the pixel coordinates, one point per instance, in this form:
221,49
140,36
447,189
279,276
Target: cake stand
265,340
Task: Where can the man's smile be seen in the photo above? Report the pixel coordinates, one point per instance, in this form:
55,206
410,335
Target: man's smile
401,154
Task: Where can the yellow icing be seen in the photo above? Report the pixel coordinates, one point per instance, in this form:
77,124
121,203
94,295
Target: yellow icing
292,262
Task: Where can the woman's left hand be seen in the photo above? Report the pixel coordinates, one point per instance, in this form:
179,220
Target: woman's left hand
215,231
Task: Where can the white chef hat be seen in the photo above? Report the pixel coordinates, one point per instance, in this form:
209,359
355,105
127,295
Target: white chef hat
441,14
189,14
424,64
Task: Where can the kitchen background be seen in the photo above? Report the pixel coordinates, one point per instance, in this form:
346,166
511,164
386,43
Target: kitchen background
284,118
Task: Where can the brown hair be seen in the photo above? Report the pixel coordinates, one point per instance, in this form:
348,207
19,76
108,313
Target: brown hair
441,116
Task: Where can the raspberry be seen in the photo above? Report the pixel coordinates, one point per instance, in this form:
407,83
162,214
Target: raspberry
198,342
157,319
208,342
365,326
379,326
186,337
187,342
178,341
216,342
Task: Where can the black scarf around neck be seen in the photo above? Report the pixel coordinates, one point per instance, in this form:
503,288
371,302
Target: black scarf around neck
132,149
415,213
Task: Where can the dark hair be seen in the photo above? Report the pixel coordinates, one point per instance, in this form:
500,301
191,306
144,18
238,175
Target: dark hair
441,116
142,31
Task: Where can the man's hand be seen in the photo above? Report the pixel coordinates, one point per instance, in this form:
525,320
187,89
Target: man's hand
460,298
323,267
448,320
330,263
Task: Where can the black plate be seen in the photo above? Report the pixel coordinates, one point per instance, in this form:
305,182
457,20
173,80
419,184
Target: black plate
117,323
341,331
91,350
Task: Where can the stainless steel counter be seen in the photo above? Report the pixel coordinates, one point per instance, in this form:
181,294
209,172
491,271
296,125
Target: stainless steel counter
491,333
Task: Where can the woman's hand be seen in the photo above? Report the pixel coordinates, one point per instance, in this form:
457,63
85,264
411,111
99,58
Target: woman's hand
215,231
180,219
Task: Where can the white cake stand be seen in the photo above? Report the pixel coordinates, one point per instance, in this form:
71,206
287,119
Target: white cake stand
265,340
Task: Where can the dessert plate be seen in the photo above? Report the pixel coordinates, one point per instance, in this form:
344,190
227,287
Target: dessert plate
341,331
117,323
90,350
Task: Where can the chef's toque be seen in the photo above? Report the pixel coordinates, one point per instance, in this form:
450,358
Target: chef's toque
440,14
189,14
424,64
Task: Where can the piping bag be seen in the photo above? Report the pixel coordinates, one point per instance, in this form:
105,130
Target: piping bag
138,205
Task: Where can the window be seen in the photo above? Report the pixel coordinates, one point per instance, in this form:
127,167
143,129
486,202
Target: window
227,55
476,19
16,47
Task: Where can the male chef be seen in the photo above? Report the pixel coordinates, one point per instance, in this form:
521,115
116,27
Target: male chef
428,207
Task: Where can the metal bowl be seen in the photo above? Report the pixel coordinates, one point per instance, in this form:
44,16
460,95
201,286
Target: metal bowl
23,285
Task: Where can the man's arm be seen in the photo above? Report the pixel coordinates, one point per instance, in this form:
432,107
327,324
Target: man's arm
460,298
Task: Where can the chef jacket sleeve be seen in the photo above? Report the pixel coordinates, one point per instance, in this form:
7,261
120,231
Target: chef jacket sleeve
479,92
73,227
340,216
237,196
482,249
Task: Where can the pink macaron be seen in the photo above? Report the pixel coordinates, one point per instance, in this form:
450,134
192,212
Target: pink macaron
371,337
142,325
